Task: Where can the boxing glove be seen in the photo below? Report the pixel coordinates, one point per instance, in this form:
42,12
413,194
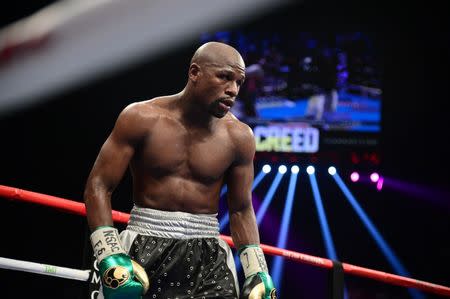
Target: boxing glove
121,276
258,283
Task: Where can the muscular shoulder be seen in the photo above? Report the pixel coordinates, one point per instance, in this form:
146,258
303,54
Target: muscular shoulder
241,136
143,110
137,119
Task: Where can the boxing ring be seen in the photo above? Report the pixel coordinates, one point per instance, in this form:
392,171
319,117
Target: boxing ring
78,208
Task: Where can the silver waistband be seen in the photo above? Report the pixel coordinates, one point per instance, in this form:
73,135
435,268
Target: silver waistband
177,225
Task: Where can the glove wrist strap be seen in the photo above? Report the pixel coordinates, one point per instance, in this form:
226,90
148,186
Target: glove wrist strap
252,260
105,242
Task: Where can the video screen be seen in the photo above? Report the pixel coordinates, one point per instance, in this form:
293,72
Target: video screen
329,81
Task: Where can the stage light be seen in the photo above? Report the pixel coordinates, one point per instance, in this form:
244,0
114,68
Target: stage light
387,251
326,233
374,177
310,169
278,261
266,168
295,169
380,183
282,169
332,170
354,176
268,198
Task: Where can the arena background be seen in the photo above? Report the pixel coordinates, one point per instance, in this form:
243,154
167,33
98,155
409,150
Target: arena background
49,147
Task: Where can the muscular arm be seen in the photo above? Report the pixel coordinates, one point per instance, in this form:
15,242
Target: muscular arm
110,166
244,229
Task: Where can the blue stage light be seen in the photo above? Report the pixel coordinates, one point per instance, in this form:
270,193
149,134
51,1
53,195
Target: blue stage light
387,251
266,168
310,169
278,261
268,198
326,234
332,170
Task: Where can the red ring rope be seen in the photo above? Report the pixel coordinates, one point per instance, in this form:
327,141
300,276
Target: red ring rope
80,209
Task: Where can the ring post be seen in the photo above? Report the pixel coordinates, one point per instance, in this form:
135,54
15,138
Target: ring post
336,281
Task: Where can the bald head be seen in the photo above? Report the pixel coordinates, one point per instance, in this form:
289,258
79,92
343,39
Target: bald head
215,53
216,73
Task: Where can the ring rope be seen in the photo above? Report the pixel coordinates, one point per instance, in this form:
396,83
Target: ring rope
80,209
44,269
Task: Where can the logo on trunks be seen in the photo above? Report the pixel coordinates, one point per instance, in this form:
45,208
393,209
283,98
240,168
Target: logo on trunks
116,276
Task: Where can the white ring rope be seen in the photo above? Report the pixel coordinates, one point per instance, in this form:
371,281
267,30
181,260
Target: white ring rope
44,269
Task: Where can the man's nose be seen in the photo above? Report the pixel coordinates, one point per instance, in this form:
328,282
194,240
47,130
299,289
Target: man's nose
232,89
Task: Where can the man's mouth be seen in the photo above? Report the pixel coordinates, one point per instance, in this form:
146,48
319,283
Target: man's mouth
227,102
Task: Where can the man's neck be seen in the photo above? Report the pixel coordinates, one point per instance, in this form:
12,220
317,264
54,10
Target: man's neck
194,115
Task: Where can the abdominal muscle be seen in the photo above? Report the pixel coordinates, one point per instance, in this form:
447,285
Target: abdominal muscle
177,194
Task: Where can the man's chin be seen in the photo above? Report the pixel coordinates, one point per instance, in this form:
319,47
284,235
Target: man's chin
219,114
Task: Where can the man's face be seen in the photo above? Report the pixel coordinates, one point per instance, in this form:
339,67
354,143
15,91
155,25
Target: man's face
219,85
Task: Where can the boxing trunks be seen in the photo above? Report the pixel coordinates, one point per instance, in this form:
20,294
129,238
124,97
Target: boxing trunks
182,254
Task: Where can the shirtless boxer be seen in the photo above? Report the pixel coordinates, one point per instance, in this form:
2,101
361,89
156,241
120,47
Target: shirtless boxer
181,150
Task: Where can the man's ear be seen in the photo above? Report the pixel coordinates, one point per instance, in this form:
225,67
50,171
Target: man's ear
194,71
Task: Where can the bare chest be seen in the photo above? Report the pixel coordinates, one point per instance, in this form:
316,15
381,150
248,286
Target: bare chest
171,150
